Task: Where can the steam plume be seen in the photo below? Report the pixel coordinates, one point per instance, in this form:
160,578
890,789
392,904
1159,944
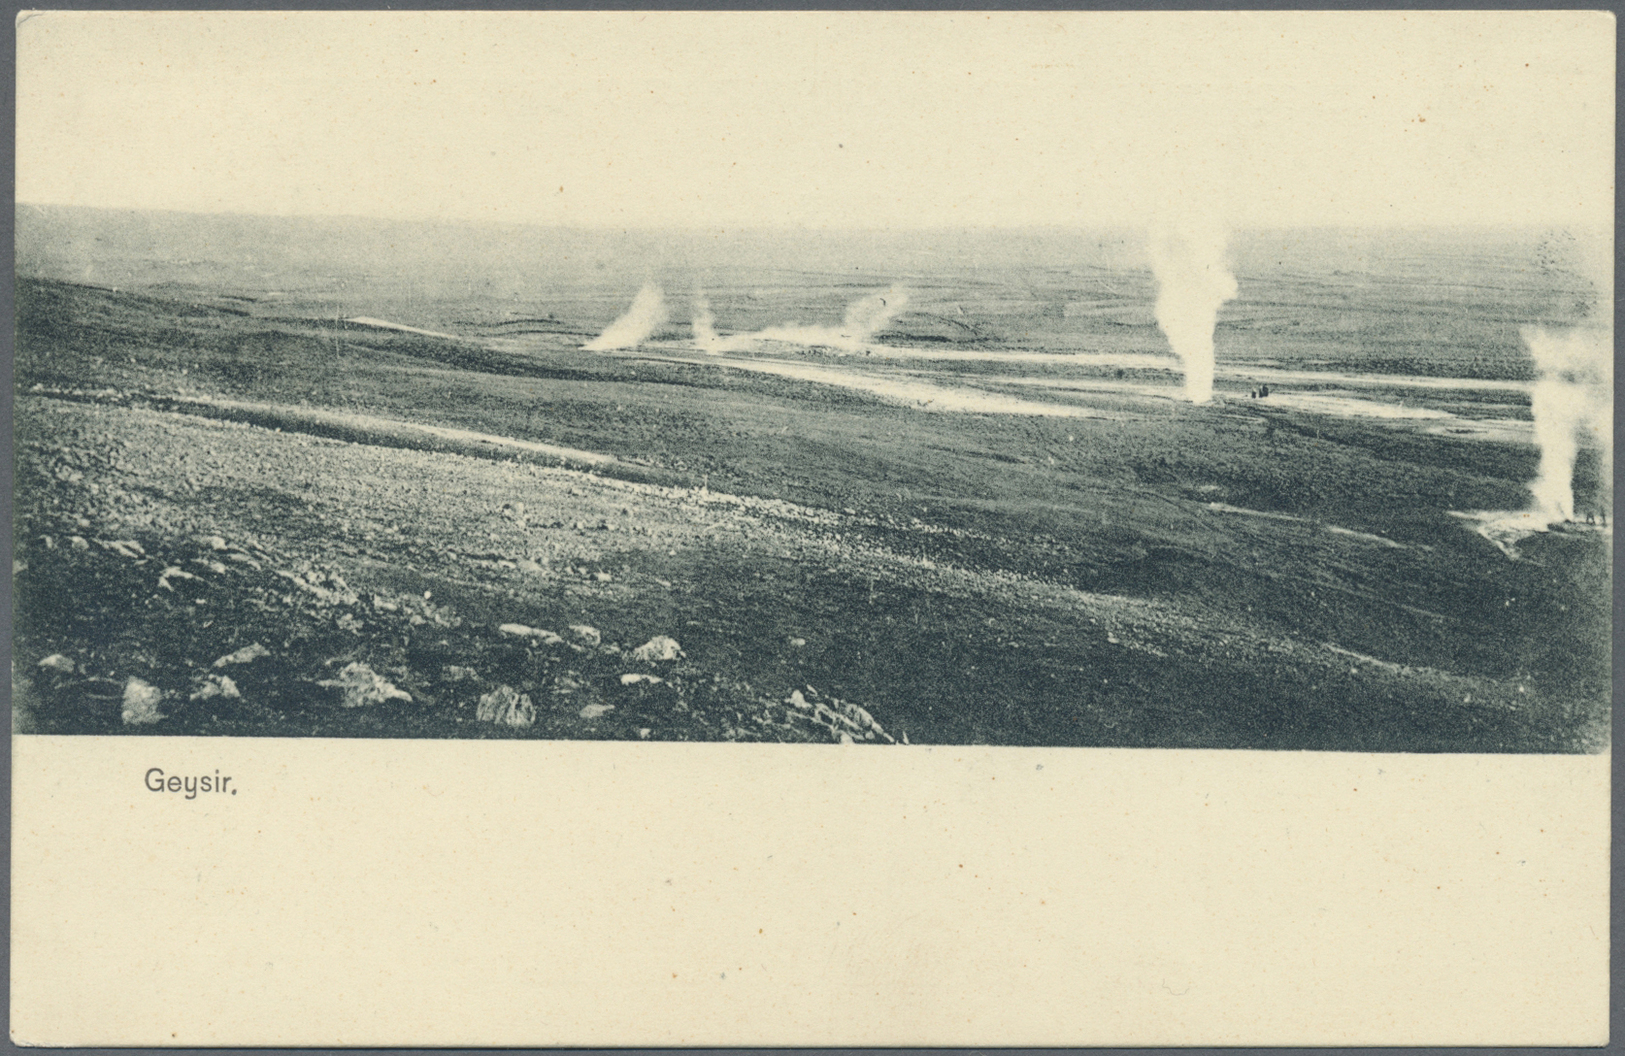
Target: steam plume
705,327
647,314
1193,280
1572,399
865,317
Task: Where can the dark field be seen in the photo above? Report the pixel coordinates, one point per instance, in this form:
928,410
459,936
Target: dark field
210,458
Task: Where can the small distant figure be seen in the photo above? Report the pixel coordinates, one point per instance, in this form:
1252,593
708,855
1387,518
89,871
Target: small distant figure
1253,395
1591,517
1263,391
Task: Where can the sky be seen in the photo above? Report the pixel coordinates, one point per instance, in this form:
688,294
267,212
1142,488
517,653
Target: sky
825,120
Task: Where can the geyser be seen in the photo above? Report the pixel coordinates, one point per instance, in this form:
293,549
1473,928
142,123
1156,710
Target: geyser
867,316
1193,280
864,318
705,326
647,314
1573,400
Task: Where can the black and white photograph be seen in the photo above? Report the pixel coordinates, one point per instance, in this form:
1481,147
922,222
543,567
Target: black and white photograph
853,382
455,420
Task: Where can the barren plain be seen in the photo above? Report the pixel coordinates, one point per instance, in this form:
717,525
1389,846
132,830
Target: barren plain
238,514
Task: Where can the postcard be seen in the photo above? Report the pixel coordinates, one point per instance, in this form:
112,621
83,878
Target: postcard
812,528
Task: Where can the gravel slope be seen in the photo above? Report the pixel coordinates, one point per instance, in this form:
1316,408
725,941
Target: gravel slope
399,592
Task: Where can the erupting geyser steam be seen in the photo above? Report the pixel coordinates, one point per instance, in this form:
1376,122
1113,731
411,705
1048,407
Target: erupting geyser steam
865,317
705,326
1193,280
1574,398
647,314
1572,406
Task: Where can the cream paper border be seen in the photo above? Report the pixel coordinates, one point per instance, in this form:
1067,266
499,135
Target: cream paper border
509,893
866,119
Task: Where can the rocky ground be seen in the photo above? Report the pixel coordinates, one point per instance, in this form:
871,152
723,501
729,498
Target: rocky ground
221,528
195,576
182,574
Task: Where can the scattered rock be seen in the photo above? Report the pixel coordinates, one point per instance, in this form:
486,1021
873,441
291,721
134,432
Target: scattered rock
173,573
217,686
602,577
842,721
593,711
58,662
247,654
453,673
798,642
214,542
363,686
18,567
141,703
863,718
506,706
525,564
519,630
634,679
658,648
644,732
336,591
123,547
586,635
78,542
